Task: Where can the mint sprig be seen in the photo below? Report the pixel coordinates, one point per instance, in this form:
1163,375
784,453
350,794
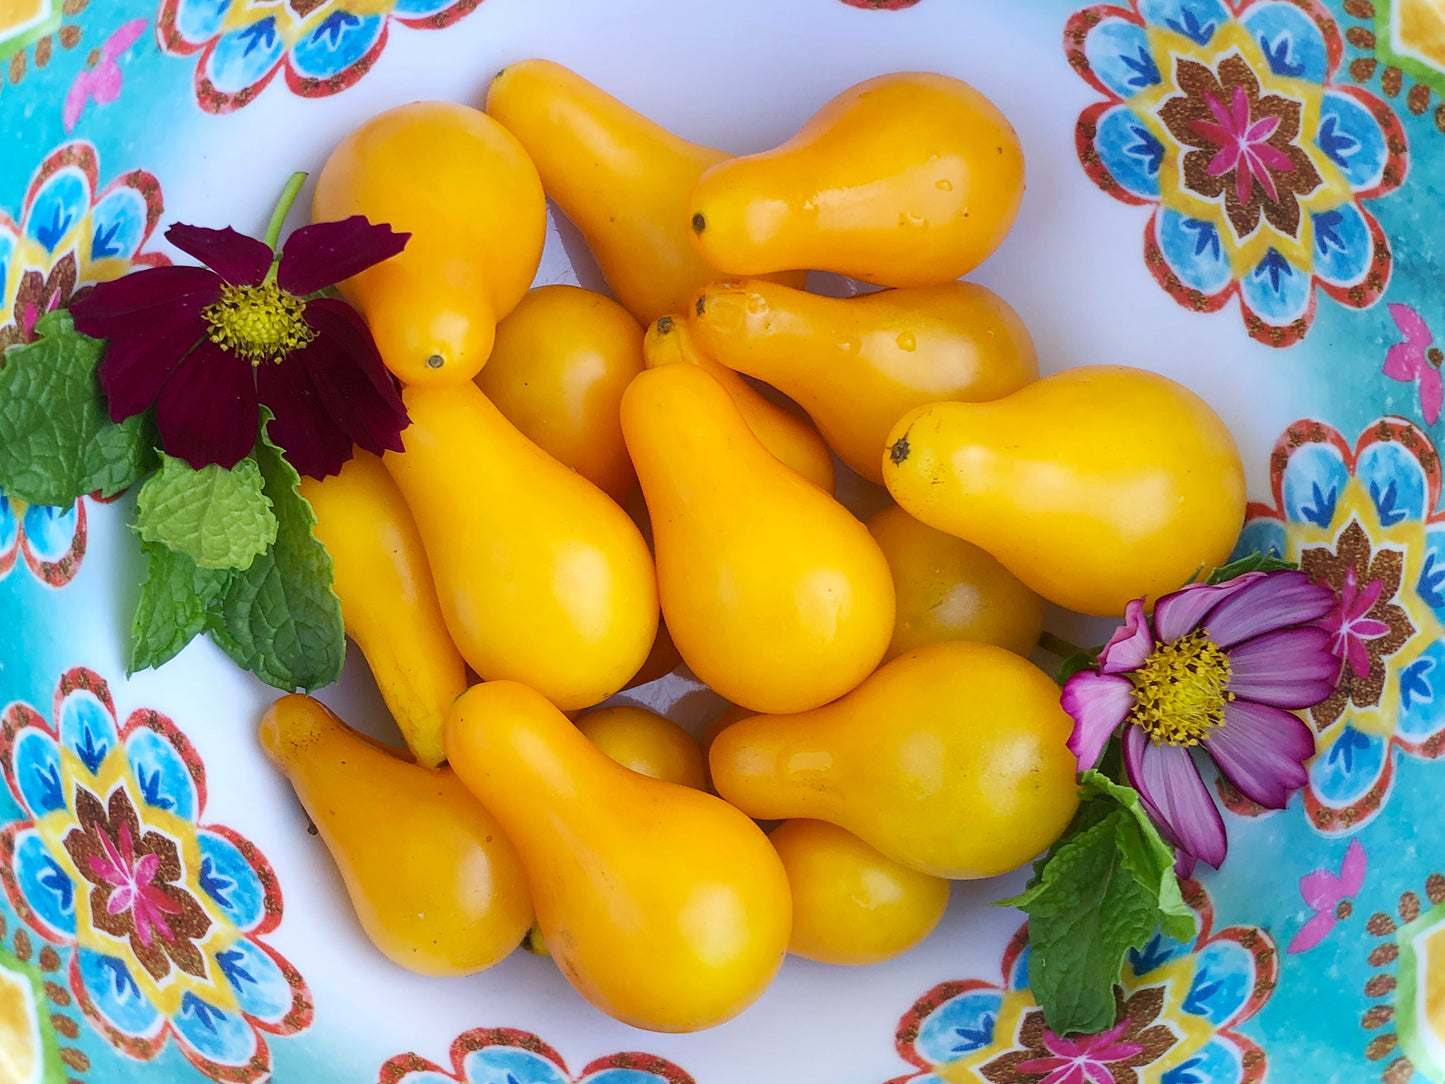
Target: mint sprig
57,441
219,518
175,604
1104,888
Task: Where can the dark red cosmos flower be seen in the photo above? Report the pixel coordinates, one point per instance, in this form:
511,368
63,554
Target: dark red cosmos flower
207,345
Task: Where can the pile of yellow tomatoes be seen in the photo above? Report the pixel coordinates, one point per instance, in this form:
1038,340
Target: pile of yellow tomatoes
594,490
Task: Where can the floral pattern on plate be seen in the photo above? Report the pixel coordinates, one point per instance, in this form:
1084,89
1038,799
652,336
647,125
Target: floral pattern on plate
48,541
1405,1025
1366,519
1398,40
510,1056
1229,122
161,914
1179,1006
324,46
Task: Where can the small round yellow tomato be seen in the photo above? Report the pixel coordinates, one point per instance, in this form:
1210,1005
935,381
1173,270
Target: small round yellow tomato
646,742
852,905
949,589
561,362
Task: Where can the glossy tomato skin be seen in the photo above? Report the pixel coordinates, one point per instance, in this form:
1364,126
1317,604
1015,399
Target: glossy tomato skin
562,359
858,364
908,179
775,595
435,882
949,589
663,905
1093,486
646,742
851,904
951,759
464,189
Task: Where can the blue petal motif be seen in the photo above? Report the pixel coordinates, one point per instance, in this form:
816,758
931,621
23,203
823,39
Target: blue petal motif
36,763
1276,290
1421,713
1353,139
1313,480
624,1076
1290,40
243,57
86,728
224,1036
1129,151
1119,55
165,779
261,987
1431,585
1196,20
201,20
1193,250
340,41
1223,978
1156,953
1344,246
115,993
961,1024
49,531
417,9
61,202
1395,480
1349,767
46,887
230,881
118,222
1217,1062
9,524
1261,536
508,1064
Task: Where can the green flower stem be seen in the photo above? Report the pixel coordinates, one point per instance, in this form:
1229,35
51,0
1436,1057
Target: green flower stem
1057,645
278,216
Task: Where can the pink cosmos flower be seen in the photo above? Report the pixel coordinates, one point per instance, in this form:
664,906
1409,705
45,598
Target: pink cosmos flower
207,345
1219,667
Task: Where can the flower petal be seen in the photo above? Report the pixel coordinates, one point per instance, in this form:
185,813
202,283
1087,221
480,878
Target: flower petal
1182,611
1171,788
1262,750
347,372
1272,602
127,305
1287,668
135,367
325,253
1098,704
1131,643
302,427
207,411
238,259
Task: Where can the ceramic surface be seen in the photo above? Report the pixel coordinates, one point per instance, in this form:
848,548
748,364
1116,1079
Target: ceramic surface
1243,194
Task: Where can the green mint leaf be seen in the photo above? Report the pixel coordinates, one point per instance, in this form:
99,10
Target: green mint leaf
218,518
174,600
57,441
1105,887
280,618
1250,562
1080,660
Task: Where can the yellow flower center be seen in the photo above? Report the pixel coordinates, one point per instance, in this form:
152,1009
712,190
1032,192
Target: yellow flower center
259,323
1181,690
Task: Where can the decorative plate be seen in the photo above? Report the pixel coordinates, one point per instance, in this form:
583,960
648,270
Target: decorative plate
1244,194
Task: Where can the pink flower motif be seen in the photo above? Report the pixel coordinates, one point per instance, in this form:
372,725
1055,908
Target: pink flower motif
1349,626
1417,358
1328,896
1084,1060
101,83
135,890
1244,147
